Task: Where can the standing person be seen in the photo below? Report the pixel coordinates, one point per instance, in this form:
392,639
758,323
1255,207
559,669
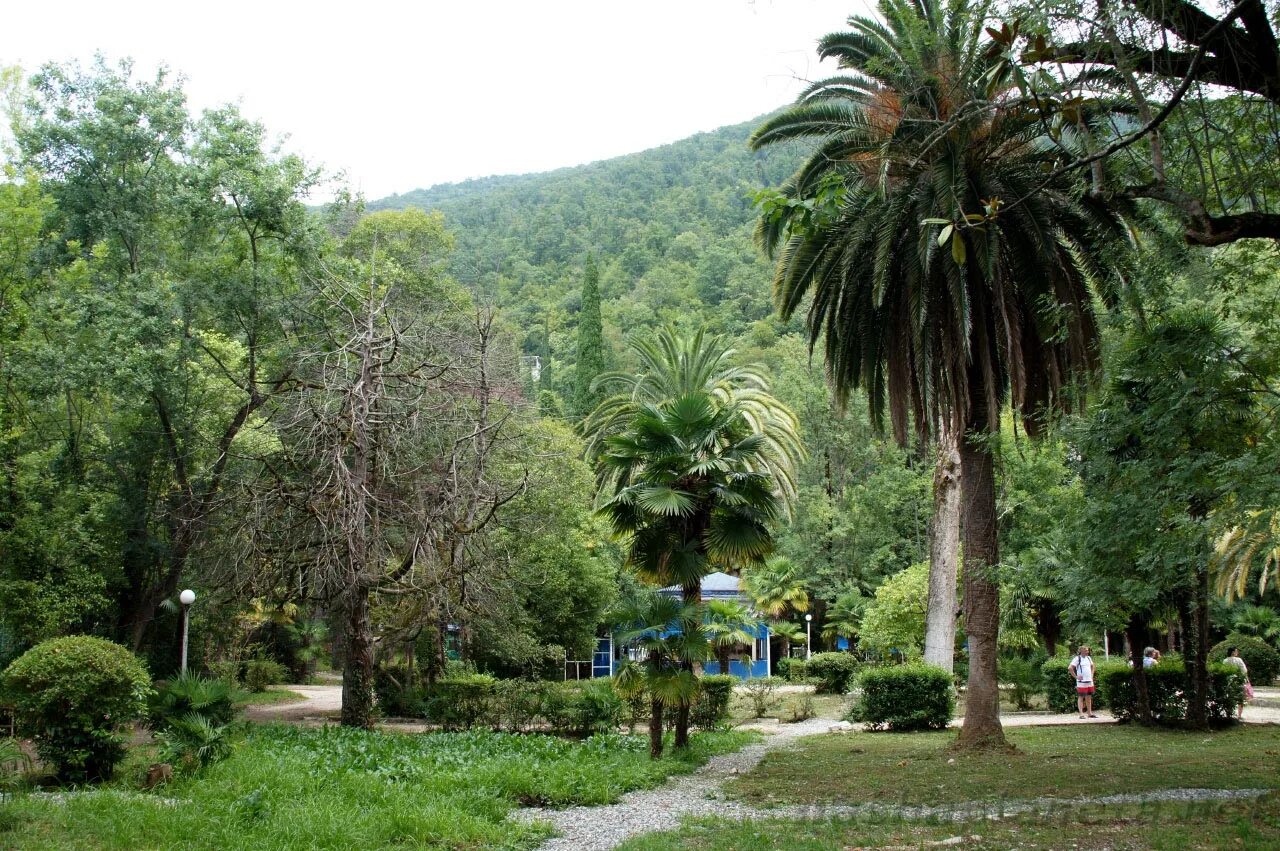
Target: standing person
1082,669
1233,659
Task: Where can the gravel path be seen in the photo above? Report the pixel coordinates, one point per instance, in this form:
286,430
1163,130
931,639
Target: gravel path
592,828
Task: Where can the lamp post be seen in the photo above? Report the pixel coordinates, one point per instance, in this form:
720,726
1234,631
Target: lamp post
808,637
186,598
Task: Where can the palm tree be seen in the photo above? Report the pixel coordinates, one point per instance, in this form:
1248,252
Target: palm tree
1241,548
952,266
776,586
1261,621
670,634
674,365
729,624
844,618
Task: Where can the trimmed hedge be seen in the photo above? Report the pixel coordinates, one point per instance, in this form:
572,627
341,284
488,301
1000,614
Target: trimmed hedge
1060,686
72,695
832,673
904,698
1259,657
793,670
1166,689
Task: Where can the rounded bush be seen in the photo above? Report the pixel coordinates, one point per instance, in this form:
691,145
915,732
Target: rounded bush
72,695
1262,661
832,673
905,697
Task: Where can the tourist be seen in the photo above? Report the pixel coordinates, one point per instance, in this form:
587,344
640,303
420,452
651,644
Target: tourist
1149,657
1233,659
1082,669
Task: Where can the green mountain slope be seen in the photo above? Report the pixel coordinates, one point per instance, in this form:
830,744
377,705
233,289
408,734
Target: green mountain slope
670,227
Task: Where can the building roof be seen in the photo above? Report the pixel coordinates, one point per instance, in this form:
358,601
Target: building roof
714,586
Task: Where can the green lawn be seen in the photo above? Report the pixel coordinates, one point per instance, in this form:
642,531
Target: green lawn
287,787
1060,761
1157,827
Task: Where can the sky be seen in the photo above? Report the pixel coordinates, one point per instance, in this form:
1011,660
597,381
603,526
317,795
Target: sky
405,95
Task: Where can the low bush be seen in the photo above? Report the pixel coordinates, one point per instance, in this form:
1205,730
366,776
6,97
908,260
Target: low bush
1166,691
517,704
832,673
15,765
762,694
599,709
194,741
793,670
904,698
230,672
1259,657
1060,686
798,708
190,694
393,688
460,702
1023,677
715,691
261,673
72,695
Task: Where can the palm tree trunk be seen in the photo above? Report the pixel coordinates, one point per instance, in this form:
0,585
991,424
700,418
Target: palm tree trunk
981,589
944,552
655,728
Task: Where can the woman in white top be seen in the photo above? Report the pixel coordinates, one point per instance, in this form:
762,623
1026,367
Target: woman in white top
1233,658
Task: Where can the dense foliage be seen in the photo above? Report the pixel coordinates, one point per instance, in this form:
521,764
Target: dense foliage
903,698
74,696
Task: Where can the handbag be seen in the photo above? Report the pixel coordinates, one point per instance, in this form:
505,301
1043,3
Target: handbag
1248,691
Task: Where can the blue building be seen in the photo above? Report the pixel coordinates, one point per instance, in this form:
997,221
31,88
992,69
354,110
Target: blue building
745,660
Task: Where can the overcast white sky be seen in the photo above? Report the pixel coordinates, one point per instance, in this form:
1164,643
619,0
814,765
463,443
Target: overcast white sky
409,94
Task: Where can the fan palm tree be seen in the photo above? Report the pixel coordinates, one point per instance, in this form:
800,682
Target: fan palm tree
674,365
776,586
952,266
671,637
844,618
729,624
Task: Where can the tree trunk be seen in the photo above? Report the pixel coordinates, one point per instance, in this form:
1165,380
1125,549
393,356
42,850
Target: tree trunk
1139,637
722,656
981,589
682,725
1049,625
655,728
1195,651
944,547
357,671
691,593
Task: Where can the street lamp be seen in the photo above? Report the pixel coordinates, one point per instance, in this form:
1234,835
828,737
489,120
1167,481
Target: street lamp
808,637
186,598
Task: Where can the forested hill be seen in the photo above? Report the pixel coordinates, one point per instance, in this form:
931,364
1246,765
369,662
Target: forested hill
670,228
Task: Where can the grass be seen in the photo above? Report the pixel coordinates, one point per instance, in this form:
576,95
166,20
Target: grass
269,697
288,788
1061,761
1160,827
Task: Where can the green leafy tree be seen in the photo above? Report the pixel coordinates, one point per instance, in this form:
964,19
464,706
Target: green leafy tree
923,293
590,361
894,619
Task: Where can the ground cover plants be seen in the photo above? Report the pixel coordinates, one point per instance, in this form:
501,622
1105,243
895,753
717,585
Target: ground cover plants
1060,761
288,787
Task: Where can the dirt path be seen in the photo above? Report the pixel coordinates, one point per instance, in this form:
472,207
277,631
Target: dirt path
323,703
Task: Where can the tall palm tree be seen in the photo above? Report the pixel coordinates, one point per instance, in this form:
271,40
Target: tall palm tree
952,268
670,635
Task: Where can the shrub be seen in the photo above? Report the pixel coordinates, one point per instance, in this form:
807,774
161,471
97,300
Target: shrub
905,697
393,688
230,672
1024,678
599,709
832,673
14,766
188,694
72,695
715,691
195,741
460,702
260,673
1166,691
517,704
761,692
1060,687
1262,661
799,708
793,670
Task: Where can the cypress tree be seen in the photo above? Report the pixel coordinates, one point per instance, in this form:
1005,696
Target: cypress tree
590,361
